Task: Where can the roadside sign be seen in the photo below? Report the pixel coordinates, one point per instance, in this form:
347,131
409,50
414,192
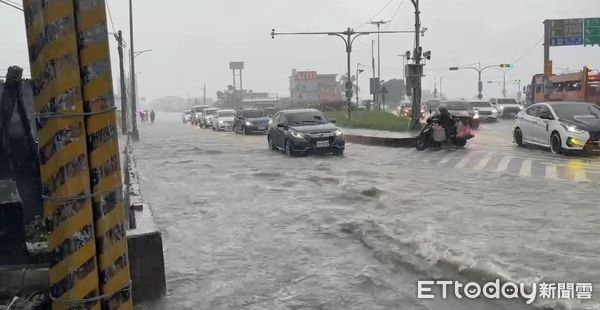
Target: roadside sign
592,31
564,32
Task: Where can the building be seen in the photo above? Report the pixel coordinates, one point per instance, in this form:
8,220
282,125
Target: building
309,87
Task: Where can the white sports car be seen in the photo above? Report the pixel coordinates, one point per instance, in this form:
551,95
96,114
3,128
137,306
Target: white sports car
560,126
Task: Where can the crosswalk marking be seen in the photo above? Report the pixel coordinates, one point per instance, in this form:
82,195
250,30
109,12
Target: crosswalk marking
445,160
526,168
534,165
552,172
504,162
483,163
463,162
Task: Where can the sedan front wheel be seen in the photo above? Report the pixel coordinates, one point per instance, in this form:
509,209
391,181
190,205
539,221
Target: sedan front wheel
556,144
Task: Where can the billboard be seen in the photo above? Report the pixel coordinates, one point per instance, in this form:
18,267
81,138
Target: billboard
236,65
306,75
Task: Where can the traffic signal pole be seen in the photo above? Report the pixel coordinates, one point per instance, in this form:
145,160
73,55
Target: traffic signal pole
480,70
348,37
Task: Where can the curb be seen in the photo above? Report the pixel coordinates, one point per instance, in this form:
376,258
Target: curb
381,141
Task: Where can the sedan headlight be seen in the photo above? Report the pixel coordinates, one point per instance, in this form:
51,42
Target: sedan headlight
220,121
494,111
338,132
296,134
573,128
476,116
248,124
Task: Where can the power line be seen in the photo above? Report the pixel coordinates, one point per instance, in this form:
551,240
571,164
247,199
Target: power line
12,5
529,51
110,16
395,14
379,12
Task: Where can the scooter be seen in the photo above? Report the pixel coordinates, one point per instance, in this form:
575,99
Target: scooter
434,135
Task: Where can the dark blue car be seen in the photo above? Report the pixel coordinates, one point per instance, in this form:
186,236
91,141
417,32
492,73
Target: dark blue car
251,121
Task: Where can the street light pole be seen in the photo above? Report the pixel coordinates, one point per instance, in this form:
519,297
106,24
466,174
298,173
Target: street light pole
479,72
358,72
403,72
378,24
348,37
135,135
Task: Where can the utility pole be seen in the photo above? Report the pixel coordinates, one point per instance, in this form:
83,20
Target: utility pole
441,88
204,93
378,24
135,135
374,72
124,111
348,37
416,92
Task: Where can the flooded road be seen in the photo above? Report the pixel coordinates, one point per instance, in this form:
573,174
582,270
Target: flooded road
248,228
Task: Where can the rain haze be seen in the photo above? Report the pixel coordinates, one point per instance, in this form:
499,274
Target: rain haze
301,190
193,41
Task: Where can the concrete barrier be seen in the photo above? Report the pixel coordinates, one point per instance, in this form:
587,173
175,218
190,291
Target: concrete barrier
405,142
146,260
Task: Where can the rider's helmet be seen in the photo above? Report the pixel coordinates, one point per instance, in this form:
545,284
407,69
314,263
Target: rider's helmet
443,109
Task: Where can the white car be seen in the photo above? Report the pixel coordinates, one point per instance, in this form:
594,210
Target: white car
223,120
485,110
186,117
560,126
507,107
207,117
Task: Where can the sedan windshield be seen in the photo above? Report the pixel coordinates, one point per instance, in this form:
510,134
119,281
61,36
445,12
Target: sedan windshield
307,118
576,110
481,104
433,104
226,114
458,105
507,101
210,112
253,113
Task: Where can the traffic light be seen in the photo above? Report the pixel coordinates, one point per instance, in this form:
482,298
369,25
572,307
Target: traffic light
507,66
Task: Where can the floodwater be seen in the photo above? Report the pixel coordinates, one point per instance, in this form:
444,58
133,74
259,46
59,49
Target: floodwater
248,228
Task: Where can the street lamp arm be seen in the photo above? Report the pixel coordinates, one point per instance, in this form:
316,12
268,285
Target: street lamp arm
358,35
474,68
300,33
492,66
341,36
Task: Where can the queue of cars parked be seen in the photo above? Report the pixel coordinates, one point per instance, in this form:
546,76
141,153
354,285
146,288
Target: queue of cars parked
294,132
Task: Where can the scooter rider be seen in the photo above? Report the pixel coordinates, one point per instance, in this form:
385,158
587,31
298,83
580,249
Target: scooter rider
447,121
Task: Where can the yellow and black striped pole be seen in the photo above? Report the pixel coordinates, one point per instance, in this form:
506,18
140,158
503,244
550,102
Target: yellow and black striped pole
103,153
54,61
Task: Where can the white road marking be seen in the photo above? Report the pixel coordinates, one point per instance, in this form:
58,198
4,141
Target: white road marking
552,172
445,160
526,168
463,162
503,165
483,163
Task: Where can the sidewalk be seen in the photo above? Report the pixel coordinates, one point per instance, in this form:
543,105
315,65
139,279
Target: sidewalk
380,137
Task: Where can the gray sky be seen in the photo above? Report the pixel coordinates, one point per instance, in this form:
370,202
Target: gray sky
194,40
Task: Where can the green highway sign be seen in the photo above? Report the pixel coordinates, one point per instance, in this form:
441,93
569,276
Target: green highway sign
591,31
